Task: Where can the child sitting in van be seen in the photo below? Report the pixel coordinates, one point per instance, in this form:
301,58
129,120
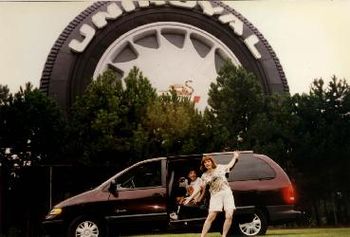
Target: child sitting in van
193,189
192,193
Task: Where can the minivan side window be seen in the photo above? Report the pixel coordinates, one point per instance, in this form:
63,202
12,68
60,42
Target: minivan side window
142,176
248,168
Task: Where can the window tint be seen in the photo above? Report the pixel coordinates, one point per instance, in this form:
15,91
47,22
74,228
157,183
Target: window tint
247,168
145,175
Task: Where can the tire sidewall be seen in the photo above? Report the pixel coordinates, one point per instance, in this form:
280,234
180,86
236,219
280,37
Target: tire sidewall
67,74
87,61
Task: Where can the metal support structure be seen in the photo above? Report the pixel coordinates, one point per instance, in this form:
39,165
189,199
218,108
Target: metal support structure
50,189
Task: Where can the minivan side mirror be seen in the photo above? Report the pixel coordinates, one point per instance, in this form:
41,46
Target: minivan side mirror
113,188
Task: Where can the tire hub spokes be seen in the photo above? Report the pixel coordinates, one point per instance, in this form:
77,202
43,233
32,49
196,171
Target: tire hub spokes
87,229
251,228
169,54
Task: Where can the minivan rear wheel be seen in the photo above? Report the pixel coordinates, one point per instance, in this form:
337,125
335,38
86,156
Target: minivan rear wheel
256,225
86,227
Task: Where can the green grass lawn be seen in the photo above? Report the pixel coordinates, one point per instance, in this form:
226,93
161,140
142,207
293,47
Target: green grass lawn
312,232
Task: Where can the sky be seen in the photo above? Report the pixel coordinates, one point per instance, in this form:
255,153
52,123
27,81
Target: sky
310,37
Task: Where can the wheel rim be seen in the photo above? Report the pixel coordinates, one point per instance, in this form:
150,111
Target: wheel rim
87,229
251,228
169,53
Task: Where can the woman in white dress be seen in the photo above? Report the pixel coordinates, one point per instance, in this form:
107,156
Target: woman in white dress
221,197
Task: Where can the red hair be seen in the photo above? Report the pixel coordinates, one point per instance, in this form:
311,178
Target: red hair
205,158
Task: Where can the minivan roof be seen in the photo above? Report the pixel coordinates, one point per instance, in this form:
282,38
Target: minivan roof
184,156
203,154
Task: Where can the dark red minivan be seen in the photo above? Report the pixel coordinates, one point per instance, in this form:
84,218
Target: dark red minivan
142,197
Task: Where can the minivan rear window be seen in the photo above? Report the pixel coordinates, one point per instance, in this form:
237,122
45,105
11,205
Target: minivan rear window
247,168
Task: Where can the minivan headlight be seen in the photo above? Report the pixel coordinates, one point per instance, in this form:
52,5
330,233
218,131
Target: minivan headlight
54,212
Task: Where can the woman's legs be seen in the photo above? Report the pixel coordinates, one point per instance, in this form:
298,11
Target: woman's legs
207,224
228,222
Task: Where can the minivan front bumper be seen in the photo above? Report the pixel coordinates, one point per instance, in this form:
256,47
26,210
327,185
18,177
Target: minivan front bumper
54,227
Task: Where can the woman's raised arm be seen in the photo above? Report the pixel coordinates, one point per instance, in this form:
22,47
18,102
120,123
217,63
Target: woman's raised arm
234,159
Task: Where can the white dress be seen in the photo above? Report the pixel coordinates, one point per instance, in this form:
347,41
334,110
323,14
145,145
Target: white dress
221,197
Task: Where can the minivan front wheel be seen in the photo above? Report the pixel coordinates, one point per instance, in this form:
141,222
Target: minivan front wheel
86,227
256,225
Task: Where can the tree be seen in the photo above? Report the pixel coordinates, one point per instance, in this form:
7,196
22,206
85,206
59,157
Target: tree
325,120
174,126
105,119
322,148
5,98
32,132
234,102
32,126
273,131
4,95
137,96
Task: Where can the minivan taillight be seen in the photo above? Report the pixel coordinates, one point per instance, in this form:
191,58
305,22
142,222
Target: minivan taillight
289,195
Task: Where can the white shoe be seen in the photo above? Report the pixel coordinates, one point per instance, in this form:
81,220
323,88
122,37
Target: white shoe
173,216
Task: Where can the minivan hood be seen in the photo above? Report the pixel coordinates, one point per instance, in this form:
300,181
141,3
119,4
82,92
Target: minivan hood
94,195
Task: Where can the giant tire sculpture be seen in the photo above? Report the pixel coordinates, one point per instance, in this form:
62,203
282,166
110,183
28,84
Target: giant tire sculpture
167,40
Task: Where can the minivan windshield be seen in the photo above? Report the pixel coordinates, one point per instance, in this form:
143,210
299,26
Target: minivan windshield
120,174
144,175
